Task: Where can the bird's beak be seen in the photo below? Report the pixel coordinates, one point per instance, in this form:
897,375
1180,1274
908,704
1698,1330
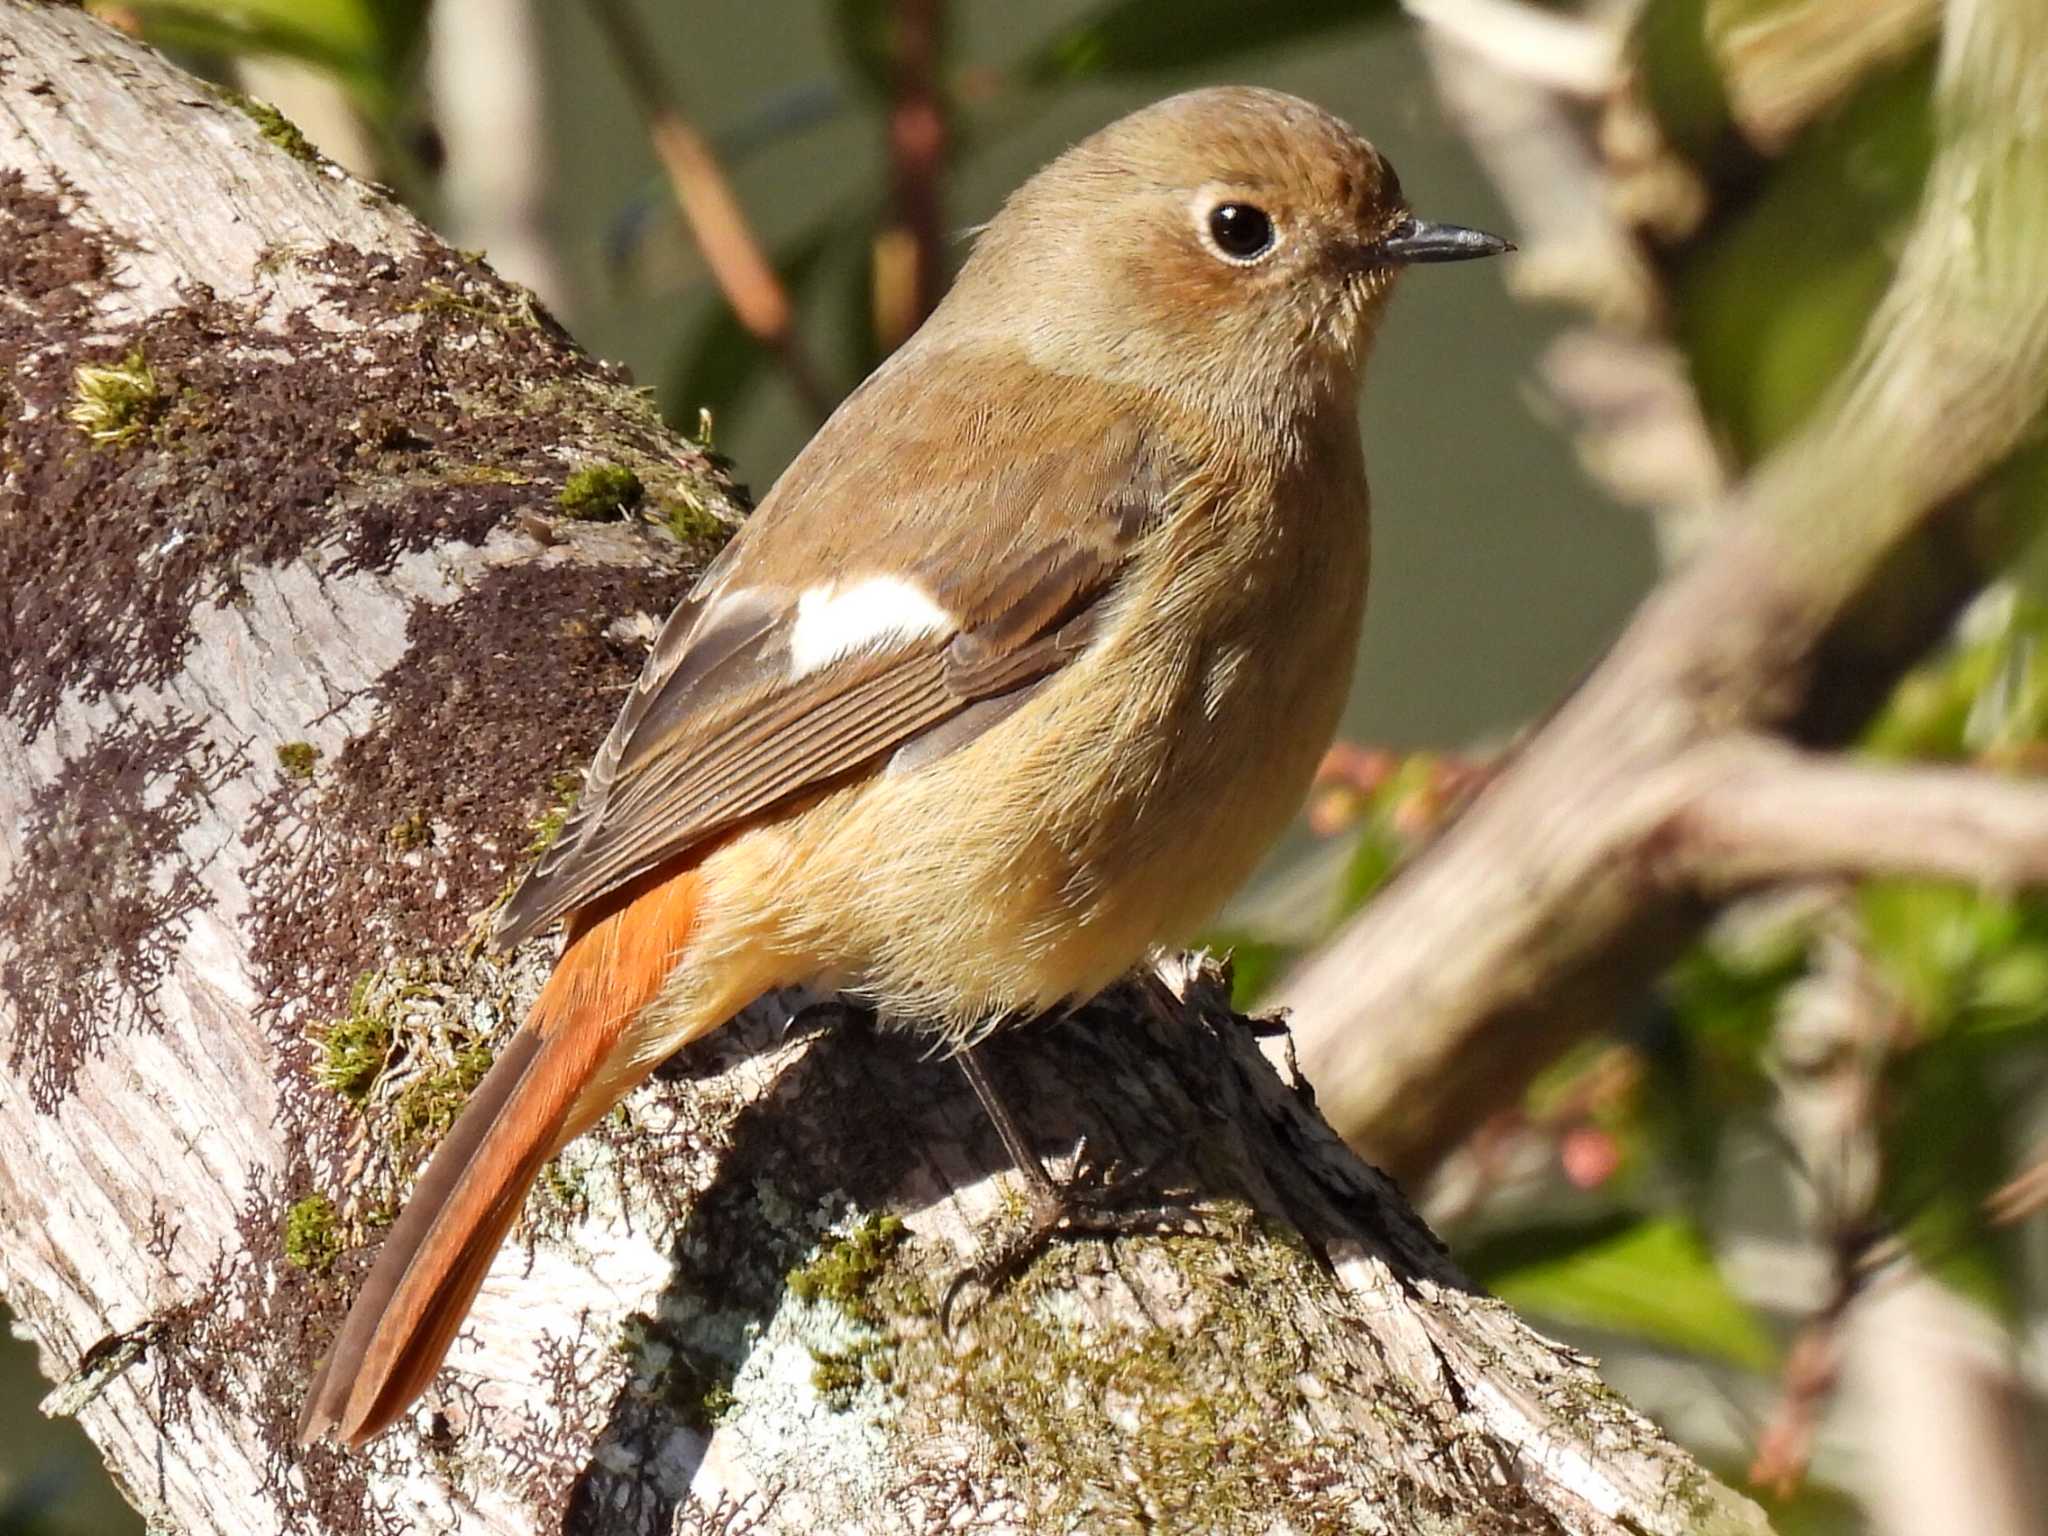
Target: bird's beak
1418,240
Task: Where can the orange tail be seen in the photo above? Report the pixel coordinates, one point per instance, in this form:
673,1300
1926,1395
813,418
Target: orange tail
536,1097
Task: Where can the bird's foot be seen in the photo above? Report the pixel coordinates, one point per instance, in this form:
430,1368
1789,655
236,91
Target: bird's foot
1098,1203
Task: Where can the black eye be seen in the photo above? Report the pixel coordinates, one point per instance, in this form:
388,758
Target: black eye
1241,231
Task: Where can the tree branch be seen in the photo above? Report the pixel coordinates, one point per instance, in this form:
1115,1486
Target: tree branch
1775,814
910,252
328,556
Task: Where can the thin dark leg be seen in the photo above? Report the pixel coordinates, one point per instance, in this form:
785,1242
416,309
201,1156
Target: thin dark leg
1005,1121
1085,1208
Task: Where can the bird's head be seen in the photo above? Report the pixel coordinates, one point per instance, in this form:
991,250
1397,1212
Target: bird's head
1235,241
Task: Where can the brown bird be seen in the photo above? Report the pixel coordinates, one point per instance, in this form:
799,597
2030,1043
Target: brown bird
1015,673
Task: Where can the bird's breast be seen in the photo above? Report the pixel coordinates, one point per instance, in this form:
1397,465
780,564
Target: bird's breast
1114,811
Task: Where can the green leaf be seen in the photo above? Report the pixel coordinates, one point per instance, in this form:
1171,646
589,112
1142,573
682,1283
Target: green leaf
1147,36
1963,960
2011,992
337,33
1729,998
1381,844
367,43
1650,1278
1948,1143
1985,696
1816,1509
1928,939
1772,306
1371,862
1679,75
1928,714
1255,964
1705,1049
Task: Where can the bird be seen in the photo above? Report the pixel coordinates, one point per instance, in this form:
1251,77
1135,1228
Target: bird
1018,669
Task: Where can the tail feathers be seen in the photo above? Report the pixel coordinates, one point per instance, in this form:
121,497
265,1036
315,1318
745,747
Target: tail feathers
553,1080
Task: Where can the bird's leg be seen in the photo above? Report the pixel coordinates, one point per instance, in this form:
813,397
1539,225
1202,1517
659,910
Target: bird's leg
1090,1205
1045,1190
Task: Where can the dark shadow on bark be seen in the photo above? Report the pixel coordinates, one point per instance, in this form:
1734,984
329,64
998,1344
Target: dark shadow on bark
872,1120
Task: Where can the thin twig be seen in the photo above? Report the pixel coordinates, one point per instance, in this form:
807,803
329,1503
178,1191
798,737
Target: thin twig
710,208
2022,1195
1835,1033
910,252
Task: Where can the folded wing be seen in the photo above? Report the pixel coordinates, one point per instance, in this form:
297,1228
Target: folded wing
863,616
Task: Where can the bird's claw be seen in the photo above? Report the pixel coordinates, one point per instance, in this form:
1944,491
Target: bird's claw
1094,1204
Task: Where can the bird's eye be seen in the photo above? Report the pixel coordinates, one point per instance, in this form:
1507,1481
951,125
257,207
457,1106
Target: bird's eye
1241,231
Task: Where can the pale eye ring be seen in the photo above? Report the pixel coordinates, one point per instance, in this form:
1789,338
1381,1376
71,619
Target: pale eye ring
1242,233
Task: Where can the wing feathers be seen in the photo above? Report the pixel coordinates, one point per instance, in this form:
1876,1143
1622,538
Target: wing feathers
797,740
712,642
849,622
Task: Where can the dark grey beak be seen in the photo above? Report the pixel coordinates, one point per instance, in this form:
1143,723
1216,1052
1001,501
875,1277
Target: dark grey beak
1418,240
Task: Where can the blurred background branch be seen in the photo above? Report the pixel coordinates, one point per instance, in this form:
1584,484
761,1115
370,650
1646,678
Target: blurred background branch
1535,910
710,207
910,256
487,80
1772,814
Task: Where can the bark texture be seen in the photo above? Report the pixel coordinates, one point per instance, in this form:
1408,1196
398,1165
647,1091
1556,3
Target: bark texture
325,555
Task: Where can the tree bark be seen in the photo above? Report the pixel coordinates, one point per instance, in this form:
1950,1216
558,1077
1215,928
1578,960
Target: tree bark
326,555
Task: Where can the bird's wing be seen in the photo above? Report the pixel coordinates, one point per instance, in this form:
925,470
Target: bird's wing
865,614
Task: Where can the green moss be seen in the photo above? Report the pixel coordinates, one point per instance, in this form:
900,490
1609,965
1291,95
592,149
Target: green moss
855,1275
355,1049
1211,1451
600,493
567,1187
428,1104
411,830
547,827
297,759
516,313
281,131
839,1376
716,1403
485,474
115,403
845,1271
311,1241
275,127
689,522
695,1383
568,788
699,1389
400,1031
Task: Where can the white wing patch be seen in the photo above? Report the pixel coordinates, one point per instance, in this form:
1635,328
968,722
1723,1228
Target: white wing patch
834,621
